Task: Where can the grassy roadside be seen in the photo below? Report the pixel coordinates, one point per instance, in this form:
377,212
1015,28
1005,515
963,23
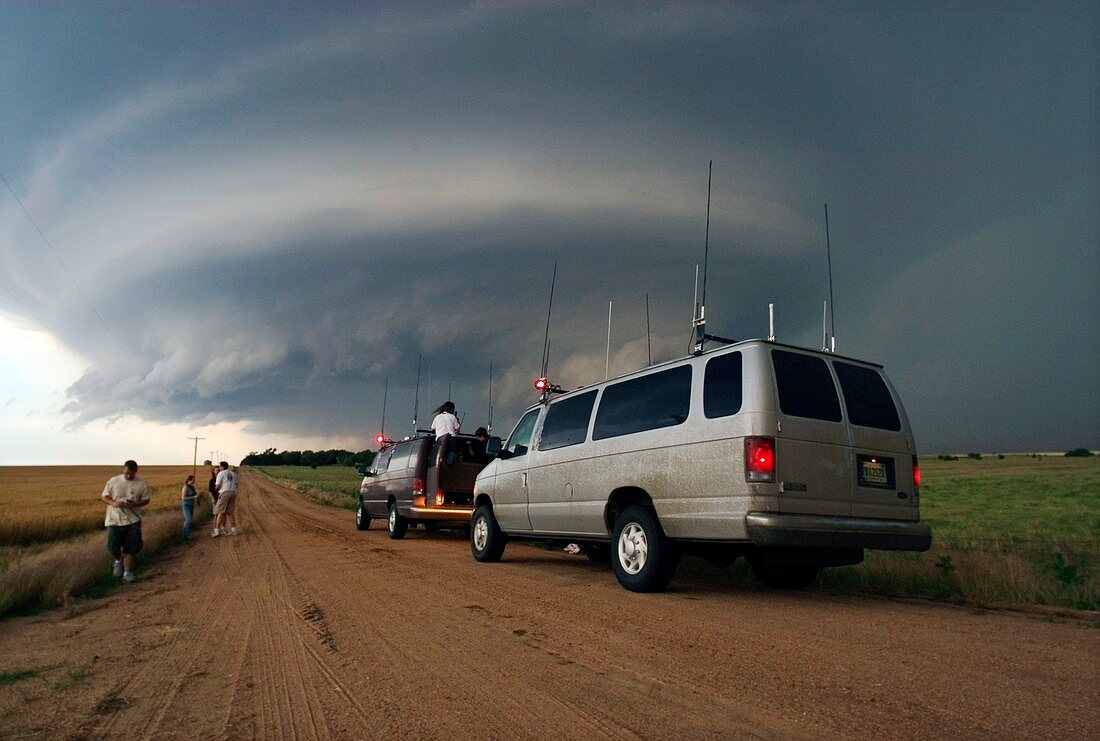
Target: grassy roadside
336,486
50,575
1006,531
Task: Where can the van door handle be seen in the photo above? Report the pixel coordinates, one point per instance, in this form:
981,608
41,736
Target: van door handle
525,481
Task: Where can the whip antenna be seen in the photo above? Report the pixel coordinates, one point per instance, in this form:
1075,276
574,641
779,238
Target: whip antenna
490,428
546,337
385,398
648,341
416,400
832,302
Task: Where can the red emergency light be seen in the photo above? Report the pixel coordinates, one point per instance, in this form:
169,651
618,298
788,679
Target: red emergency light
380,439
541,384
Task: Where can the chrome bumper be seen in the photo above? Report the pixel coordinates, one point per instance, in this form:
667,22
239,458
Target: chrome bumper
818,531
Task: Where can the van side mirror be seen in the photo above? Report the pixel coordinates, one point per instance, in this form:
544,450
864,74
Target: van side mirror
362,469
493,446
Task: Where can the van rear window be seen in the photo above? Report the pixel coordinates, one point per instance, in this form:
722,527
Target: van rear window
867,397
722,386
805,386
651,402
566,422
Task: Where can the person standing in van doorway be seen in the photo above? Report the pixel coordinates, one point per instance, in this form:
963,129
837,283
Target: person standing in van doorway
480,446
124,495
226,508
445,422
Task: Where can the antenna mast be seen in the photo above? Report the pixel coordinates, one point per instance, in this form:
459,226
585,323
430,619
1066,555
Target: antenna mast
490,428
416,401
607,356
385,398
832,302
648,341
546,337
699,319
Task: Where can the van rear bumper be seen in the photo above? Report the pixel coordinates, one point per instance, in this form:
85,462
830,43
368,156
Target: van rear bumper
812,531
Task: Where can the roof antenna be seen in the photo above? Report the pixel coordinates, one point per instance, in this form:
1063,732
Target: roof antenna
607,356
825,326
699,319
490,428
648,341
832,302
546,337
416,401
385,398
771,322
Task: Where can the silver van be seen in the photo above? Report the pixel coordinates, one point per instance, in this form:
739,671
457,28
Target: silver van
793,458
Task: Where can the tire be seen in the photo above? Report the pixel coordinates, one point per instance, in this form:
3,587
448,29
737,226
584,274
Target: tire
642,556
487,540
398,525
598,553
785,576
362,519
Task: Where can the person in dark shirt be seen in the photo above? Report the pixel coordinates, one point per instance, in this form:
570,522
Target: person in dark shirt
212,487
480,443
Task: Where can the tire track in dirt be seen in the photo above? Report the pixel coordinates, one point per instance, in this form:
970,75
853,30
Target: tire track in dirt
304,627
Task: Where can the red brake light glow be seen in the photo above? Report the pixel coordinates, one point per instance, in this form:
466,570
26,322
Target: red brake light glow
760,459
916,473
439,498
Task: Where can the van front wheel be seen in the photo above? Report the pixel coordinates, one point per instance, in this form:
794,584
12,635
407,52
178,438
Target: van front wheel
487,540
398,524
362,519
643,558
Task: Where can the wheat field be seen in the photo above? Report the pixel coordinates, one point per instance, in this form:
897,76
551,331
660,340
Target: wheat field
45,503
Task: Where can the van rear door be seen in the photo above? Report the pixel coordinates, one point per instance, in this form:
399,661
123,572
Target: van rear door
882,455
811,446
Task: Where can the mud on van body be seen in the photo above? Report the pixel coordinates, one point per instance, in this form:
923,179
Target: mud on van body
421,480
793,458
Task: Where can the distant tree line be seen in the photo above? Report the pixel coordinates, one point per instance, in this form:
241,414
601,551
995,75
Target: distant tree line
312,458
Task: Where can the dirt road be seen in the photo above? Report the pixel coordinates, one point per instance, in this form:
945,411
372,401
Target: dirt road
303,627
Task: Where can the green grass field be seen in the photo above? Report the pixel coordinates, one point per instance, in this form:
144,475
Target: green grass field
334,485
1017,530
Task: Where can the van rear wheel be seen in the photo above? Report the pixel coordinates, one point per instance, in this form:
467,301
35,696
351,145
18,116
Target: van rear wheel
398,524
643,558
785,576
362,519
487,540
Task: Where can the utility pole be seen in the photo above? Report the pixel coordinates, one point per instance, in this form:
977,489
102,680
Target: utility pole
195,460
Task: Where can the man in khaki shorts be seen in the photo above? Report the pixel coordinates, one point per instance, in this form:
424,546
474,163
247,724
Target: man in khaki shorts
226,506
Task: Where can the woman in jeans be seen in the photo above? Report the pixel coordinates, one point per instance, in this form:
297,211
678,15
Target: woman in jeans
189,497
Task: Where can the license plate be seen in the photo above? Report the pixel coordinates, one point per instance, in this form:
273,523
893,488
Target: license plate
874,473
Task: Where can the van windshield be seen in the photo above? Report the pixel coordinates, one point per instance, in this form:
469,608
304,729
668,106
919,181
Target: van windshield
866,397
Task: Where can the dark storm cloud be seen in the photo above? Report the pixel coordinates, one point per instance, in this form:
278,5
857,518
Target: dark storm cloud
276,221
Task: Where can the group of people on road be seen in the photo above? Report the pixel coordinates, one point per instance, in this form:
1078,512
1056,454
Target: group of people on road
127,494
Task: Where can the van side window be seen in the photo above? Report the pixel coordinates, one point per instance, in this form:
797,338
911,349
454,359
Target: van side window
722,386
520,439
567,422
806,387
400,457
866,397
382,460
657,400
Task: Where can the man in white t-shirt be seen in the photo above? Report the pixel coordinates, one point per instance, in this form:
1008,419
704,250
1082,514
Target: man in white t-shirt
124,495
226,506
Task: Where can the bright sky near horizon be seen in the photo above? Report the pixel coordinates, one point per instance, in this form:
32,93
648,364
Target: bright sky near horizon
277,208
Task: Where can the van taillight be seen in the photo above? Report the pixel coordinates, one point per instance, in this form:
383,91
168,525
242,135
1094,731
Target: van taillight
916,473
418,486
760,459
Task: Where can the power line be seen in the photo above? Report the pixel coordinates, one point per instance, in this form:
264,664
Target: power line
68,273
